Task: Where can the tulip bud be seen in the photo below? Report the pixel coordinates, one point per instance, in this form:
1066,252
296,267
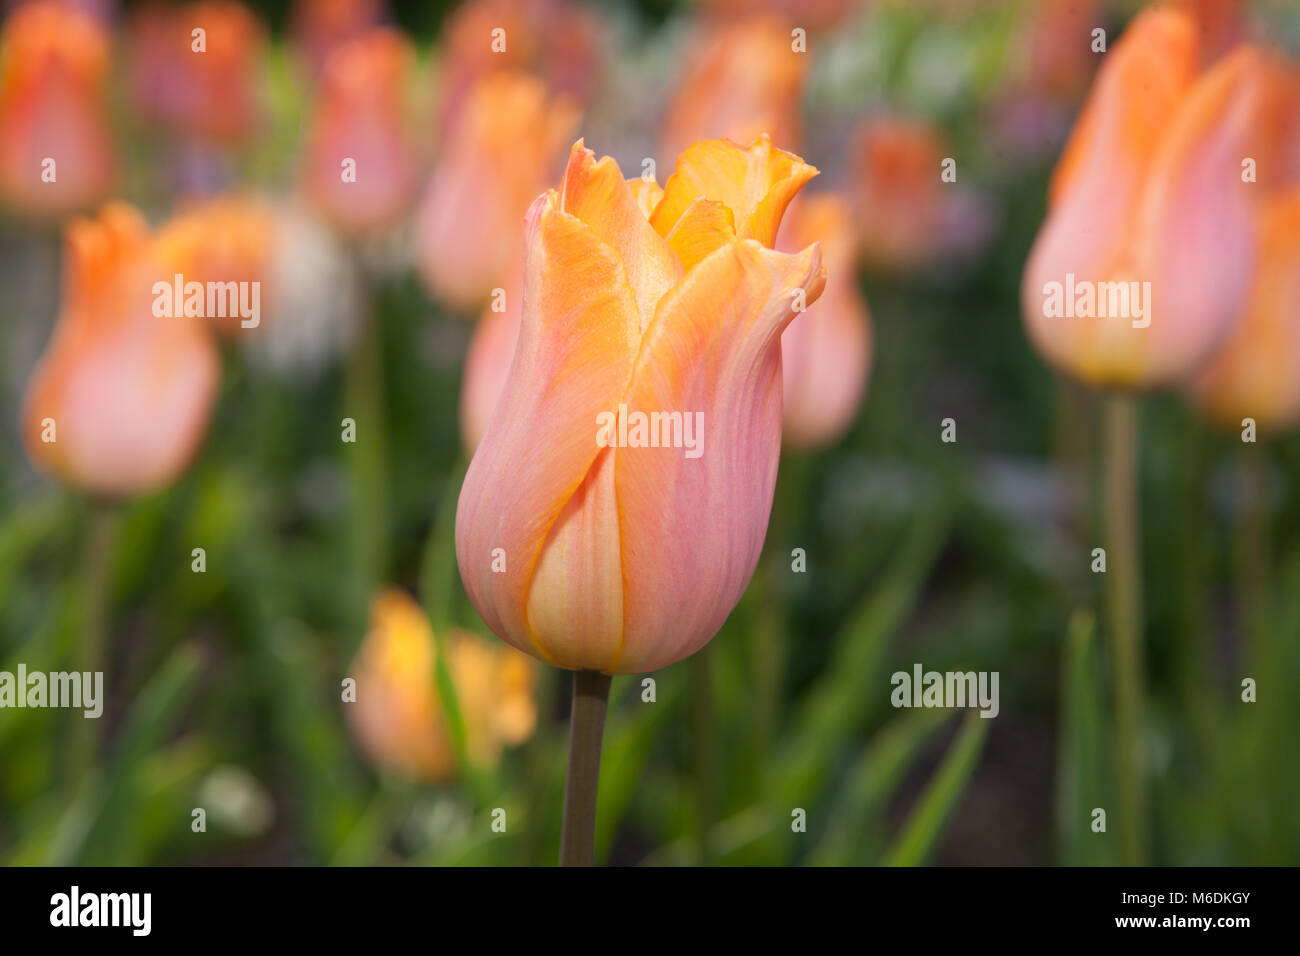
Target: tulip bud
615,509
826,354
56,148
495,161
1256,374
318,27
397,715
1145,259
359,163
121,400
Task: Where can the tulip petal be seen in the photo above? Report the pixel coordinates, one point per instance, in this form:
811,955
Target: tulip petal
714,347
704,227
577,344
596,192
755,183
647,194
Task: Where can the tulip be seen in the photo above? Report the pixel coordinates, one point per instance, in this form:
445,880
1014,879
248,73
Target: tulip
613,554
121,400
319,27
1256,374
627,569
397,715
210,95
495,161
557,41
56,148
487,363
743,79
1149,202
359,166
901,206
229,239
826,355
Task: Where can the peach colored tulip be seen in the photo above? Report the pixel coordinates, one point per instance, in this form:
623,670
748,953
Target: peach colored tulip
397,715
1150,190
500,155
1256,374
743,79
810,14
826,354
557,41
900,203
211,96
359,164
52,70
231,238
580,543
121,400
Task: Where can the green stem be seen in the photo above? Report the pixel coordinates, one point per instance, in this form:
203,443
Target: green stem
586,727
100,533
1252,556
704,748
1125,608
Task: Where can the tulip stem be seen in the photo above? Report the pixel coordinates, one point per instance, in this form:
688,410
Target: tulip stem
586,727
1125,608
1252,555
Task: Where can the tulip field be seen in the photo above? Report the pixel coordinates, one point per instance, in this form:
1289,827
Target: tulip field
649,433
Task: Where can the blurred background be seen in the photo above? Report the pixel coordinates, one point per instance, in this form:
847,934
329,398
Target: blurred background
213,538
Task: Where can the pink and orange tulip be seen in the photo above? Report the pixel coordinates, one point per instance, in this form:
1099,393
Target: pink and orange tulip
121,400
1149,201
359,164
614,555
498,157
826,354
57,154
397,715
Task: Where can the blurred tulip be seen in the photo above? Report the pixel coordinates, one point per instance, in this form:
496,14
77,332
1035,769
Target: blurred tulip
602,553
319,27
1221,24
487,363
743,79
555,40
397,715
901,206
809,14
1256,374
121,400
56,148
495,161
1145,259
210,95
359,164
826,354
227,239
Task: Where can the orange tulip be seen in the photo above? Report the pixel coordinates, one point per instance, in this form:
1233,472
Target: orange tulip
1256,374
826,355
229,239
359,166
56,149
397,715
743,79
495,161
614,510
1145,259
210,94
121,400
